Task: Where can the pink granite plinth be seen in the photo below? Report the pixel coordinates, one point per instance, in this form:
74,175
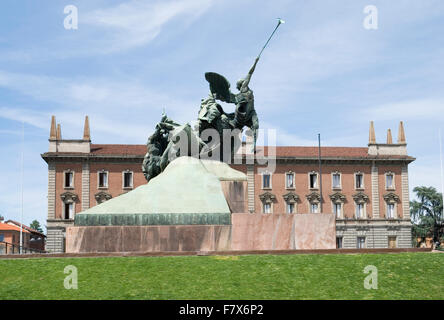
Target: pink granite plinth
235,193
283,231
84,239
248,232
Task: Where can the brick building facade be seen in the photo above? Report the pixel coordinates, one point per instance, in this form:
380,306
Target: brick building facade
366,188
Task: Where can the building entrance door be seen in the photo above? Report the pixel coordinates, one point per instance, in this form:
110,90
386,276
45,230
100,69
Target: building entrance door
392,242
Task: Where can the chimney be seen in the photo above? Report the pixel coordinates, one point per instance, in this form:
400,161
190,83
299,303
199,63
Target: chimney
389,148
86,133
70,145
52,132
389,137
59,132
372,137
401,134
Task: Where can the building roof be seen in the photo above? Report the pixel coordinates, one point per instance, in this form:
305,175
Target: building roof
310,152
327,152
31,230
119,149
10,227
139,150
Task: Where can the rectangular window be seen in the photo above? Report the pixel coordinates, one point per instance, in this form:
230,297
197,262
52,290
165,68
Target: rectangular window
361,243
290,207
313,180
314,208
337,207
392,242
103,179
359,181
389,181
338,242
267,207
390,211
266,177
289,180
69,179
127,179
360,210
69,210
336,181
2,237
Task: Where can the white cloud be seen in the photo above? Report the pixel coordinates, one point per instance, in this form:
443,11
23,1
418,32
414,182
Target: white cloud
283,137
120,110
34,118
136,23
410,109
424,175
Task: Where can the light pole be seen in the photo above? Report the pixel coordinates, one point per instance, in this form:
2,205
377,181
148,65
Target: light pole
22,164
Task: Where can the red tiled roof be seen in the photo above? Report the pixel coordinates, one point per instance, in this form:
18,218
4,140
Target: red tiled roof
10,227
281,151
118,149
139,150
309,152
24,227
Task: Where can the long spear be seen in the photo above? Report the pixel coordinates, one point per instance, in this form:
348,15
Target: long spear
280,21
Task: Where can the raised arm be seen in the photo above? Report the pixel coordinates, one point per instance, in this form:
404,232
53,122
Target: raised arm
248,77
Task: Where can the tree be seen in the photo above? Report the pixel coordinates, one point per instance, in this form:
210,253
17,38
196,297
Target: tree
427,213
36,226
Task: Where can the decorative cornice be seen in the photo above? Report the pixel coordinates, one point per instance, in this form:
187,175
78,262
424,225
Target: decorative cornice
338,197
53,156
58,157
391,197
360,197
313,197
291,197
267,197
68,197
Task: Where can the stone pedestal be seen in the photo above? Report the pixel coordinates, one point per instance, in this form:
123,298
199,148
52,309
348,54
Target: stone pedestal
306,231
148,238
194,205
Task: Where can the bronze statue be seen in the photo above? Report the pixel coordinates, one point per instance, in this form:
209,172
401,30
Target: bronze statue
156,146
163,145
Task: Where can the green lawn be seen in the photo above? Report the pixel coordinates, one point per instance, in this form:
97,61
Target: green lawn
400,276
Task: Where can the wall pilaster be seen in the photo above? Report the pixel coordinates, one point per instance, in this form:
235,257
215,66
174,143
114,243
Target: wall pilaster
250,184
405,192
51,190
85,186
375,191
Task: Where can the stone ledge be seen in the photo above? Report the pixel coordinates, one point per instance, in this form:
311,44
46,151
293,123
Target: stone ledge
214,253
140,219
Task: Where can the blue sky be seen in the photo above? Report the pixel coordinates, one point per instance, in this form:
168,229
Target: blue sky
322,73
